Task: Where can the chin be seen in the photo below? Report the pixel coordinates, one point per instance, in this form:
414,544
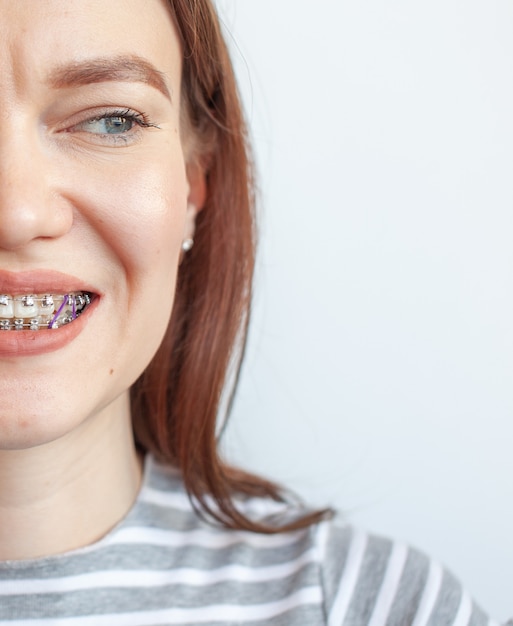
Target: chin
22,430
43,413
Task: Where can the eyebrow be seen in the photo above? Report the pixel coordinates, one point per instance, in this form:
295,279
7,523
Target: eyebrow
104,69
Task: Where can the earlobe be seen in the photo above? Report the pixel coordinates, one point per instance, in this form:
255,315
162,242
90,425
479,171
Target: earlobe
189,228
188,234
197,186
195,201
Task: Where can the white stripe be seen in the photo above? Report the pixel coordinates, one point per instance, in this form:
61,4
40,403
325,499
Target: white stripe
349,579
464,612
166,499
180,501
321,540
389,586
215,613
430,595
211,539
150,578
492,622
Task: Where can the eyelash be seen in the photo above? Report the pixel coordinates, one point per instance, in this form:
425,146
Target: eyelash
127,115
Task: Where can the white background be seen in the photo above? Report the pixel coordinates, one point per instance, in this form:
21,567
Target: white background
380,366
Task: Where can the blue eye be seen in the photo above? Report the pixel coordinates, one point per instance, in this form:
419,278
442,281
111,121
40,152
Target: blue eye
109,125
113,126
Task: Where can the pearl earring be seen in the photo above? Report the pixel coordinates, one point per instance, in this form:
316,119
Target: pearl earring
187,244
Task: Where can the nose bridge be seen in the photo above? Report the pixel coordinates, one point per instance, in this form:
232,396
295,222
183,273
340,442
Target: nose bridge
21,167
26,211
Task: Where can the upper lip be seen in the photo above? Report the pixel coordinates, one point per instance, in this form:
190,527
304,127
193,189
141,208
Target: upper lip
41,281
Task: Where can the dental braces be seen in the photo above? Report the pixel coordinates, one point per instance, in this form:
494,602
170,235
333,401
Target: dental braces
72,305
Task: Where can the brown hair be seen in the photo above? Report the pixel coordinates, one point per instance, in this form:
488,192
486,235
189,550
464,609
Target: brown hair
176,401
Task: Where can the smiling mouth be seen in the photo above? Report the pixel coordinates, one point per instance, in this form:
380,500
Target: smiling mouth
42,311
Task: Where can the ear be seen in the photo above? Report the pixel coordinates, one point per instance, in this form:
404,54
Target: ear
196,197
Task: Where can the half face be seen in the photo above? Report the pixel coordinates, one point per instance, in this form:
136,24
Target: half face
94,205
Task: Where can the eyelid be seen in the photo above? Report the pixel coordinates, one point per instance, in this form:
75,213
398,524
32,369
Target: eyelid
90,116
141,122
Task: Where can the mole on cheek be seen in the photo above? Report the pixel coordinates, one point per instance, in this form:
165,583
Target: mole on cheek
111,371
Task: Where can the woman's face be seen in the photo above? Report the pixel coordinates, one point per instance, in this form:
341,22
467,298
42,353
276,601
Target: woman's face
94,202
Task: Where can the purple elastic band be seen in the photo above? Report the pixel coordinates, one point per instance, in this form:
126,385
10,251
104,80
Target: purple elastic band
54,318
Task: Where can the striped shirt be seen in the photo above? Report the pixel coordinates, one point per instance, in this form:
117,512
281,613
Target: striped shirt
164,565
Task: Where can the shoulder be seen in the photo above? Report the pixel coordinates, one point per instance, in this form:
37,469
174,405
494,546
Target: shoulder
369,579
330,573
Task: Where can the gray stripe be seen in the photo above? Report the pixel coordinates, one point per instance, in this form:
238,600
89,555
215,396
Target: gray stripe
448,602
410,590
369,581
478,617
105,601
337,543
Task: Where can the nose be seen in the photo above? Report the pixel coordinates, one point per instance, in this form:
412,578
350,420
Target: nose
30,205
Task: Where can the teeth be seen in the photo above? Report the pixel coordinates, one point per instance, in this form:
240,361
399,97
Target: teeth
6,306
25,306
32,312
46,305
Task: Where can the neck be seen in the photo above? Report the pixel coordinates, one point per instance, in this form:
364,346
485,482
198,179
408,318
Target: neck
68,493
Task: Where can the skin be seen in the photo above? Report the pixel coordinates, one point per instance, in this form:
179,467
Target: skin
111,210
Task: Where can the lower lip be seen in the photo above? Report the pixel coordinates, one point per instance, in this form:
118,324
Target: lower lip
16,343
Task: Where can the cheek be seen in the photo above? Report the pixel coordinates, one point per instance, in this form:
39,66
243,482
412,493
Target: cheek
137,217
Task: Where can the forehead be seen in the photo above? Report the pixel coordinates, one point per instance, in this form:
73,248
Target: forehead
38,36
